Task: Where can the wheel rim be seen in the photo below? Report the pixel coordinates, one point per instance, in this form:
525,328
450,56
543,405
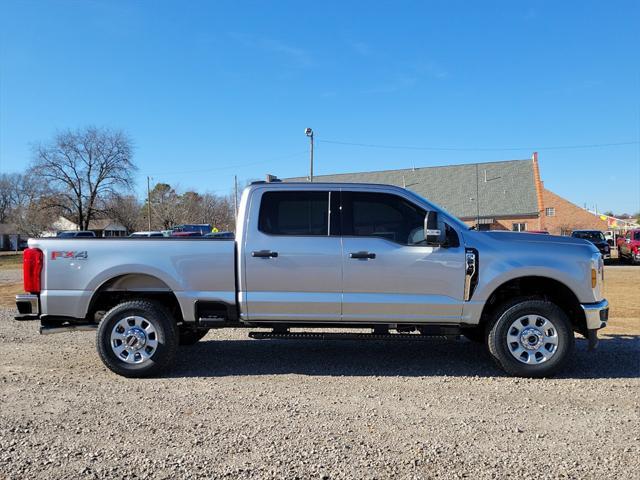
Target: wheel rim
134,339
532,339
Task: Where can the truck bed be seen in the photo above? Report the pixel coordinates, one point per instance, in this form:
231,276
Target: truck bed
192,268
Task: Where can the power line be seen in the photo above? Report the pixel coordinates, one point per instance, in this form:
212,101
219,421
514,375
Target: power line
477,149
204,170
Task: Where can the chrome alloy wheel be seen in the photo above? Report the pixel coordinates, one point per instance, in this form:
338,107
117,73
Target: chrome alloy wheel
532,339
134,339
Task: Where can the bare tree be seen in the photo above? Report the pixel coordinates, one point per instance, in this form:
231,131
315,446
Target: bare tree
218,211
38,215
125,209
85,167
165,208
8,186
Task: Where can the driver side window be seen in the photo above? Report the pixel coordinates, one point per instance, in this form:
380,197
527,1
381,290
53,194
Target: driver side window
382,215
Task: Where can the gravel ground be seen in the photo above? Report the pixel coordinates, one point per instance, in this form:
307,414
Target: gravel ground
239,408
10,276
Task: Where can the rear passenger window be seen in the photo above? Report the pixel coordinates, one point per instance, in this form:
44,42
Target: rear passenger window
294,213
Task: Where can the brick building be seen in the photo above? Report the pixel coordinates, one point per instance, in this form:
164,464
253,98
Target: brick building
506,195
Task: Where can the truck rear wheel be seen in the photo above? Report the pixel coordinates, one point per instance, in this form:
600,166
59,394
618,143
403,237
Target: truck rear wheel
530,338
138,338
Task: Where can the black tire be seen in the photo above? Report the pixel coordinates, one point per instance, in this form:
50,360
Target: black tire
164,337
475,334
500,349
189,336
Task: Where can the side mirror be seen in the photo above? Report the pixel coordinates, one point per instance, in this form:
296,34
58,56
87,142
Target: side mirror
433,234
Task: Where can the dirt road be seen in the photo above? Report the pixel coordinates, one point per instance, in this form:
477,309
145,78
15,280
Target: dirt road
240,408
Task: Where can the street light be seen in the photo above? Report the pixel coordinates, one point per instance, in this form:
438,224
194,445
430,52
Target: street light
309,133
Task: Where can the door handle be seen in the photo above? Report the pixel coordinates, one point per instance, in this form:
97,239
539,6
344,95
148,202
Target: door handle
264,254
365,255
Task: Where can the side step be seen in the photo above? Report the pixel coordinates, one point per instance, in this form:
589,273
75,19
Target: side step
344,336
49,329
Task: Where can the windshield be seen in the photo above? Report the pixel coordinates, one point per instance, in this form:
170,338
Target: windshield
591,236
452,219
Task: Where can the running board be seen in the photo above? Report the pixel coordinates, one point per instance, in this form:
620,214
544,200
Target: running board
47,330
346,336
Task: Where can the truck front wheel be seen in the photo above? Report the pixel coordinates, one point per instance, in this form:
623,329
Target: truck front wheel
138,338
530,338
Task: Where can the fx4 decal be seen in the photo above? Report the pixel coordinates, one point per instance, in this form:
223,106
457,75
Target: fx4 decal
70,254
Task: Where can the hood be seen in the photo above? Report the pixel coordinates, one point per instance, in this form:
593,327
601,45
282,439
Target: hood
536,238
533,237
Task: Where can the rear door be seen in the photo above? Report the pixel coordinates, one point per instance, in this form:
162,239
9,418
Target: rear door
389,274
293,267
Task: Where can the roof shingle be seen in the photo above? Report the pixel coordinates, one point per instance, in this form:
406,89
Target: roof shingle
505,188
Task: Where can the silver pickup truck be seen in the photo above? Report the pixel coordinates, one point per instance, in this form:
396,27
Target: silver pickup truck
318,255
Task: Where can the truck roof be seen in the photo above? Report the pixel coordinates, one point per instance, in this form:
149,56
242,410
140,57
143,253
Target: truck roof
282,184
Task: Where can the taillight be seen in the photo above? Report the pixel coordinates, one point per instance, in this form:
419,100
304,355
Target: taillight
32,268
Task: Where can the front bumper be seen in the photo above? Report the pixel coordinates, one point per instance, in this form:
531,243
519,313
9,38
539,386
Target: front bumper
28,306
596,314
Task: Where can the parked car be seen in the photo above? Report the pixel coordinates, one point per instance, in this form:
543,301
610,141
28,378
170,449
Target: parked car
540,232
597,238
201,228
146,234
76,234
186,234
221,235
610,236
629,246
323,255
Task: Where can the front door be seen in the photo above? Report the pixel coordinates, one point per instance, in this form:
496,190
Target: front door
389,274
292,259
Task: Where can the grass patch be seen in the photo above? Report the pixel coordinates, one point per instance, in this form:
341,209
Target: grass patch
11,261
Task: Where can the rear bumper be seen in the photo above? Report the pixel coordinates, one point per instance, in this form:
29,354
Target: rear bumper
596,314
28,306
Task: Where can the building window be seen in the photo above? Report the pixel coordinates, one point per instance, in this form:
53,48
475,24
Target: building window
519,227
550,212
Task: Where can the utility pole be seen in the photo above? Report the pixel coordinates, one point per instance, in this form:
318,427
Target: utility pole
235,198
309,133
477,197
149,202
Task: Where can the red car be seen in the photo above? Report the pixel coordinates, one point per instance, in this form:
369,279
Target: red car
629,246
186,234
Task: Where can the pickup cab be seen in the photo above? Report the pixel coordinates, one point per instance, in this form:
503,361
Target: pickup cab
377,258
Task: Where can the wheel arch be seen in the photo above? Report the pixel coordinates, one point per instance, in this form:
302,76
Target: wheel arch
128,286
537,287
